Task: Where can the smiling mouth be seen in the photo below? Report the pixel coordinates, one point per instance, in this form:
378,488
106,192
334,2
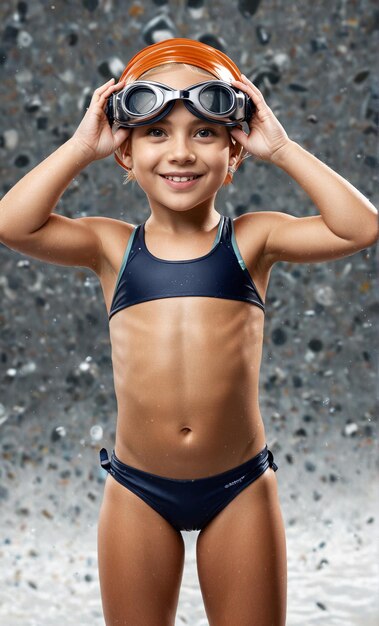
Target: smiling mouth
180,179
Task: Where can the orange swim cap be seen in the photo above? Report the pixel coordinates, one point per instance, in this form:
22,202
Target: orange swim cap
180,50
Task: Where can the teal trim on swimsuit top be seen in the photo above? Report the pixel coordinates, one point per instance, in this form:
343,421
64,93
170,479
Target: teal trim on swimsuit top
221,273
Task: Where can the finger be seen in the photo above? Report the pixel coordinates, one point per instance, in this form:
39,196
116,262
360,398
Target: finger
97,95
246,83
100,99
253,93
103,87
118,85
240,136
112,88
106,89
120,135
250,89
245,80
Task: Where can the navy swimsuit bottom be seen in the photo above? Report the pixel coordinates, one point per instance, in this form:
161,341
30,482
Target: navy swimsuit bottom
188,504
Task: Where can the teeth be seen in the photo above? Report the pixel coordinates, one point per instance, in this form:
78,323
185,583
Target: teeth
180,179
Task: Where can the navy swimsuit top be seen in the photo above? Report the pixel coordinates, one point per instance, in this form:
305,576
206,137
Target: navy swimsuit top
221,273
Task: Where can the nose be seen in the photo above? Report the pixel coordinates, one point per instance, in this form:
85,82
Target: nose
180,149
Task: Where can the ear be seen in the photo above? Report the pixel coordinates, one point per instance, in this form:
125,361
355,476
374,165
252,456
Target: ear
124,152
234,151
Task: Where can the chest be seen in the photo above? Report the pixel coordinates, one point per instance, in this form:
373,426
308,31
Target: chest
224,263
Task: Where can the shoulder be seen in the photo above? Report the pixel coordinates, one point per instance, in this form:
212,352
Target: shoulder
262,220
113,236
253,230
106,226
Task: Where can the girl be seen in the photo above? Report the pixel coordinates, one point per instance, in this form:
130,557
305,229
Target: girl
185,293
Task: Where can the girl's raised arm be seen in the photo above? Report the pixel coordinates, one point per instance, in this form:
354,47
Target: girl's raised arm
26,220
348,221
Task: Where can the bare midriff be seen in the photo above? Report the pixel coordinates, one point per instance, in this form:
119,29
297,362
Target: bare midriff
186,376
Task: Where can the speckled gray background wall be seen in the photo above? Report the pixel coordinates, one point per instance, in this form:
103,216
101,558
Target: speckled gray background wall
314,62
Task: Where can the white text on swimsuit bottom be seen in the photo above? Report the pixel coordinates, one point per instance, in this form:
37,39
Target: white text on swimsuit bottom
235,482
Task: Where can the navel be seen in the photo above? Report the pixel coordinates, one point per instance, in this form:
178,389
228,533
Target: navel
186,431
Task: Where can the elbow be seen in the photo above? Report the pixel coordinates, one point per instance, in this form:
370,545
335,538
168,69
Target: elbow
370,235
10,238
5,236
374,234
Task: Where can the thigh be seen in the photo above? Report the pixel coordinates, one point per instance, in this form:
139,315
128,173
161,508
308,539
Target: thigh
241,559
141,560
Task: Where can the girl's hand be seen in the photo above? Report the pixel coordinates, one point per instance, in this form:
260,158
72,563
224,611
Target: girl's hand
266,134
94,135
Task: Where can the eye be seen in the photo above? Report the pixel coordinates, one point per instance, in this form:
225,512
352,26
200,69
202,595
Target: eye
206,130
160,130
152,130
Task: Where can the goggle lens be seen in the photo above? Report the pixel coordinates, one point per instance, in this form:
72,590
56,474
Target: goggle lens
216,100
141,101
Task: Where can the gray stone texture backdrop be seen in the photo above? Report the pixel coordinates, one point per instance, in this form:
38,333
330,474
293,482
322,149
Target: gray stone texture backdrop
316,64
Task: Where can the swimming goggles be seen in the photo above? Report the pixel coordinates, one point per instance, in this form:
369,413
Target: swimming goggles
145,102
